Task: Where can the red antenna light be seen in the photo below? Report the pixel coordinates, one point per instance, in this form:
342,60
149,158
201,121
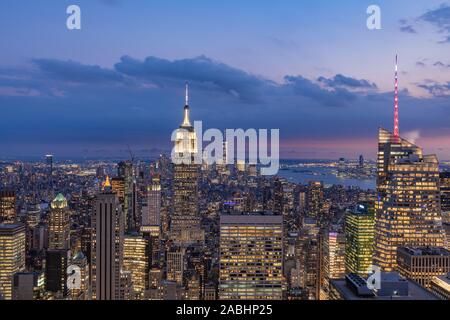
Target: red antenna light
396,125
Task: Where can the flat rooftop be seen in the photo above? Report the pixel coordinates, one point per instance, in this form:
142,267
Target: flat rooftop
425,251
256,213
262,217
416,292
10,226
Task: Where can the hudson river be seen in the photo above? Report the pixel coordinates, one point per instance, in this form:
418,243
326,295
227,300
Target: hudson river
326,175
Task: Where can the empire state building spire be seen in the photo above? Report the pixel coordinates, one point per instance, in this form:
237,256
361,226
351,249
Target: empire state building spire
186,121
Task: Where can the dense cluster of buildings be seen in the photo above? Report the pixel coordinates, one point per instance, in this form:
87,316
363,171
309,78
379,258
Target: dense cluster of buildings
158,230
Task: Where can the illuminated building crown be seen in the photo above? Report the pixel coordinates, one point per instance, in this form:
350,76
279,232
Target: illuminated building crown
59,202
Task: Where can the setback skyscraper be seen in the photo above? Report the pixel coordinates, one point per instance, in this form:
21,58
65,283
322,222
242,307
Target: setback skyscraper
408,209
59,224
185,221
107,246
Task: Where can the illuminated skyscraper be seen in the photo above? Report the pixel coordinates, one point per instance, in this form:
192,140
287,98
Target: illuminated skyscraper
107,246
333,251
57,255
278,199
445,196
408,207
359,233
175,265
314,200
59,224
423,264
28,285
440,287
135,260
152,236
49,162
12,256
7,206
408,211
154,203
33,216
130,210
445,205
308,274
118,187
251,257
185,222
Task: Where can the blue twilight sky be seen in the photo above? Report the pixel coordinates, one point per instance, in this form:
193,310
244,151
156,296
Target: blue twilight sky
310,68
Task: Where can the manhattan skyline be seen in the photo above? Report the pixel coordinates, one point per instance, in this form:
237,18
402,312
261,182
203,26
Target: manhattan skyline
120,79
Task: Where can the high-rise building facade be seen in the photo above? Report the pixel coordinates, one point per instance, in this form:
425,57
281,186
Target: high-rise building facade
185,221
56,263
12,256
107,247
57,255
359,233
423,264
59,224
130,211
309,266
251,256
175,265
118,186
49,162
154,203
445,196
408,207
28,286
445,205
314,199
7,206
333,250
136,260
440,287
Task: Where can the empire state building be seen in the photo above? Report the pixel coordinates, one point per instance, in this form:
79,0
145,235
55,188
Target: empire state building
185,221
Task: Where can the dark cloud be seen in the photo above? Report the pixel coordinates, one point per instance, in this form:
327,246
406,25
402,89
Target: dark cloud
408,29
341,81
75,72
203,71
439,18
436,89
440,64
336,97
420,64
